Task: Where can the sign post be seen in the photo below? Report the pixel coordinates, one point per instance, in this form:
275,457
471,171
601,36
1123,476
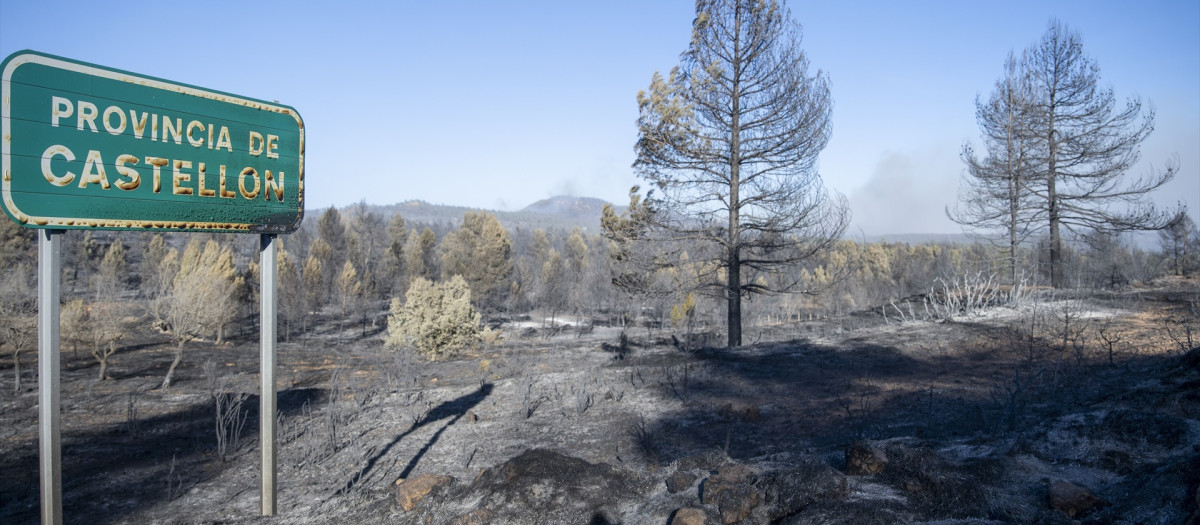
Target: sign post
266,424
91,147
49,446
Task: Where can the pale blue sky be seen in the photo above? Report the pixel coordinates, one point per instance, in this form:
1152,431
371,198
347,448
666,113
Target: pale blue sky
498,104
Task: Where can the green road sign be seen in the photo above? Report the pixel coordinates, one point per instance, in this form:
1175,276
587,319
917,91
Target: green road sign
87,146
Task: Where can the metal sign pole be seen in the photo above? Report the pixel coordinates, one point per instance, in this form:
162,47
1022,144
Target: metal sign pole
262,143
266,417
49,444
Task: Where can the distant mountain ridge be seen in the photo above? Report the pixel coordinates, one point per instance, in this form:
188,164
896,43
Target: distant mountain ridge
577,209
916,238
558,212
566,212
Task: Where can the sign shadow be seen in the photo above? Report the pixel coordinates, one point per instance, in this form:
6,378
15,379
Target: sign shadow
451,410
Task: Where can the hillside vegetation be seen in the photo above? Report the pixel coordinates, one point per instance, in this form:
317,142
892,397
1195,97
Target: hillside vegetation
571,400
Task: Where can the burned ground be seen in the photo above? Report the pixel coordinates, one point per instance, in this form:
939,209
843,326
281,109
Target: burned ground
977,417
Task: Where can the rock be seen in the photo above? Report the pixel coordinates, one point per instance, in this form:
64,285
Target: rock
689,516
862,459
735,473
471,416
1072,499
731,489
411,491
680,481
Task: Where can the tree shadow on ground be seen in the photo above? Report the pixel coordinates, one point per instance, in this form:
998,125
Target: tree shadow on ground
797,396
452,410
120,469
760,399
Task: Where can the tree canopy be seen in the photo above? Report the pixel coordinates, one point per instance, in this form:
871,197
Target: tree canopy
729,140
1059,148
481,252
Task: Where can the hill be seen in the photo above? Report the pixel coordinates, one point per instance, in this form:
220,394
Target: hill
585,210
560,212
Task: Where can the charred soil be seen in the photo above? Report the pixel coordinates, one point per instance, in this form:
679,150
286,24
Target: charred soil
994,416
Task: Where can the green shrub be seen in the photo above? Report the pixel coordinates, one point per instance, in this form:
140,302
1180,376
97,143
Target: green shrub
437,319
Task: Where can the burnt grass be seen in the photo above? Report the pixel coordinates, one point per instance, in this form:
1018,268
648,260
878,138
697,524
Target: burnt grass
976,415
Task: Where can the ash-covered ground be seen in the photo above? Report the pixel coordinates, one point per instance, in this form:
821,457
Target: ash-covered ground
1060,408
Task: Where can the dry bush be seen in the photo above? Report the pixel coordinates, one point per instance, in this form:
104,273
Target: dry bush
133,422
437,319
229,416
530,401
645,438
1183,328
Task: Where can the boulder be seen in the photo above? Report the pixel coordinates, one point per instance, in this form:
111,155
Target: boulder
863,459
411,491
732,490
689,516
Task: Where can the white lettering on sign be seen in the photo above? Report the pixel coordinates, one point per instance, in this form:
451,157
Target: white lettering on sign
130,177
187,177
108,113
250,182
87,113
114,121
48,156
93,171
60,108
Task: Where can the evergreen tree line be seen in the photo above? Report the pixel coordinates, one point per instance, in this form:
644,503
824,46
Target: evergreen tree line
347,266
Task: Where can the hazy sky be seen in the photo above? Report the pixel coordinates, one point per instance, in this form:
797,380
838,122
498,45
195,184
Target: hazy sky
498,104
